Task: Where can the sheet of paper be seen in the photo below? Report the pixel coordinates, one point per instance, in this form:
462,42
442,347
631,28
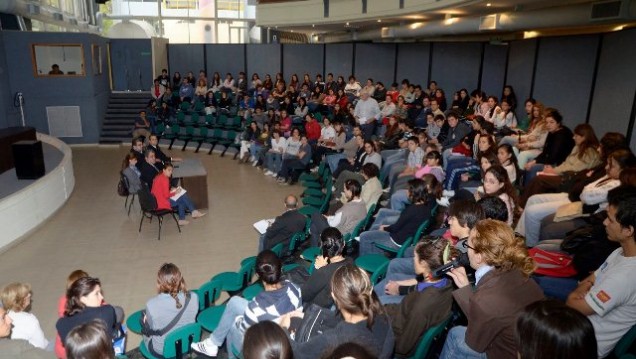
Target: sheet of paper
262,225
178,195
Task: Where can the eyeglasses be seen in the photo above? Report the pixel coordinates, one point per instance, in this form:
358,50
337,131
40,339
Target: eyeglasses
466,245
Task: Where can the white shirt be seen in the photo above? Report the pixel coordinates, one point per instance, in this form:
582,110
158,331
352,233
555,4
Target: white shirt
26,326
279,146
328,133
366,110
613,299
481,271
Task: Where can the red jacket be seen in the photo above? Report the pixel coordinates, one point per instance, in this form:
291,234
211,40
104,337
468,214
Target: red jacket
161,191
313,130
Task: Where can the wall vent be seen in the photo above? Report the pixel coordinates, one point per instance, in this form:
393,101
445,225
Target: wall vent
488,22
608,10
64,121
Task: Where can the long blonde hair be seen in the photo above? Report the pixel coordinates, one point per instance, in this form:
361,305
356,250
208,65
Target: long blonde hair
353,291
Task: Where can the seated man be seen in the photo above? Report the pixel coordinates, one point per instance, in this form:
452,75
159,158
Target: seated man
17,348
138,150
413,161
142,126
149,168
608,296
284,226
160,157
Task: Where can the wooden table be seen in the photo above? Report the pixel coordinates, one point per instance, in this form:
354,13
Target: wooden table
194,178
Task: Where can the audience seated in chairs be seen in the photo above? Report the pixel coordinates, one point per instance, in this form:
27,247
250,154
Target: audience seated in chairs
279,298
289,169
89,340
163,193
266,340
160,157
148,168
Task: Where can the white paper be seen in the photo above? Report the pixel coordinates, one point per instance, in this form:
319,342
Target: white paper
262,225
179,194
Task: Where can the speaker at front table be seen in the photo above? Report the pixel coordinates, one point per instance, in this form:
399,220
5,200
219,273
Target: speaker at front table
28,159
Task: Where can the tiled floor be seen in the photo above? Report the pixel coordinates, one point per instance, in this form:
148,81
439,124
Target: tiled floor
92,232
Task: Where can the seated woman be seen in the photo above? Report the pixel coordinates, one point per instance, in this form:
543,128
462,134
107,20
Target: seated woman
400,198
163,193
558,144
503,290
550,329
584,156
83,304
460,169
391,138
317,289
368,156
274,156
250,136
594,194
363,320
16,300
422,196
419,304
89,340
278,298
266,340
173,300
508,160
346,218
330,143
497,184
131,173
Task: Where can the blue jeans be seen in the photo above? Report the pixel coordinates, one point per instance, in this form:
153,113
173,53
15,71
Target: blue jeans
456,347
228,329
368,129
399,269
368,240
273,161
332,160
385,216
184,202
558,288
532,173
254,149
400,199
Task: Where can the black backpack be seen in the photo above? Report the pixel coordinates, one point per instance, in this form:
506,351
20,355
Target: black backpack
122,186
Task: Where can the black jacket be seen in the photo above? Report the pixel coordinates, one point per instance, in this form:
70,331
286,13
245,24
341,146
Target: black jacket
283,228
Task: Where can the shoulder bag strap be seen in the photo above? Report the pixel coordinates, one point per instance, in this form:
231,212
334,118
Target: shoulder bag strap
175,320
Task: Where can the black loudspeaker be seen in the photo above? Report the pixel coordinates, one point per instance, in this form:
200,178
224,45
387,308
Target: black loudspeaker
28,159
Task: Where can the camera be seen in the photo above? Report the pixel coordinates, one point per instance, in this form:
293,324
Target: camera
461,261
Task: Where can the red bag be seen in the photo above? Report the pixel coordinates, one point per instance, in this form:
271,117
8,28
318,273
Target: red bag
553,264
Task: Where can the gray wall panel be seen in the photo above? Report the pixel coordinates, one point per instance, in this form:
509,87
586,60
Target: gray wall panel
455,65
185,57
376,61
263,59
89,92
339,59
615,84
301,59
494,69
565,82
520,65
412,63
224,59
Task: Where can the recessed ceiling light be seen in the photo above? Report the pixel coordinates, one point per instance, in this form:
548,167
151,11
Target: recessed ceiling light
347,23
488,4
291,30
313,25
379,20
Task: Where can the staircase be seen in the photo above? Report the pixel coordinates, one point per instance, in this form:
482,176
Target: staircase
123,108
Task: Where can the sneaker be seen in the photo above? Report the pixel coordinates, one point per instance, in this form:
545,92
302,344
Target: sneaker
273,174
197,214
268,173
254,163
205,347
183,222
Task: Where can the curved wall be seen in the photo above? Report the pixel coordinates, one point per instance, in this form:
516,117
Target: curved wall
25,210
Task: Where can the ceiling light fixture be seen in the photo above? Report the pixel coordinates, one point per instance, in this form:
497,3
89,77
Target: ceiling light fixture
416,25
379,20
530,34
347,23
489,4
313,25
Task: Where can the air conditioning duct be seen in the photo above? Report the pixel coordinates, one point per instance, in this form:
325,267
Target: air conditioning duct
609,10
488,22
